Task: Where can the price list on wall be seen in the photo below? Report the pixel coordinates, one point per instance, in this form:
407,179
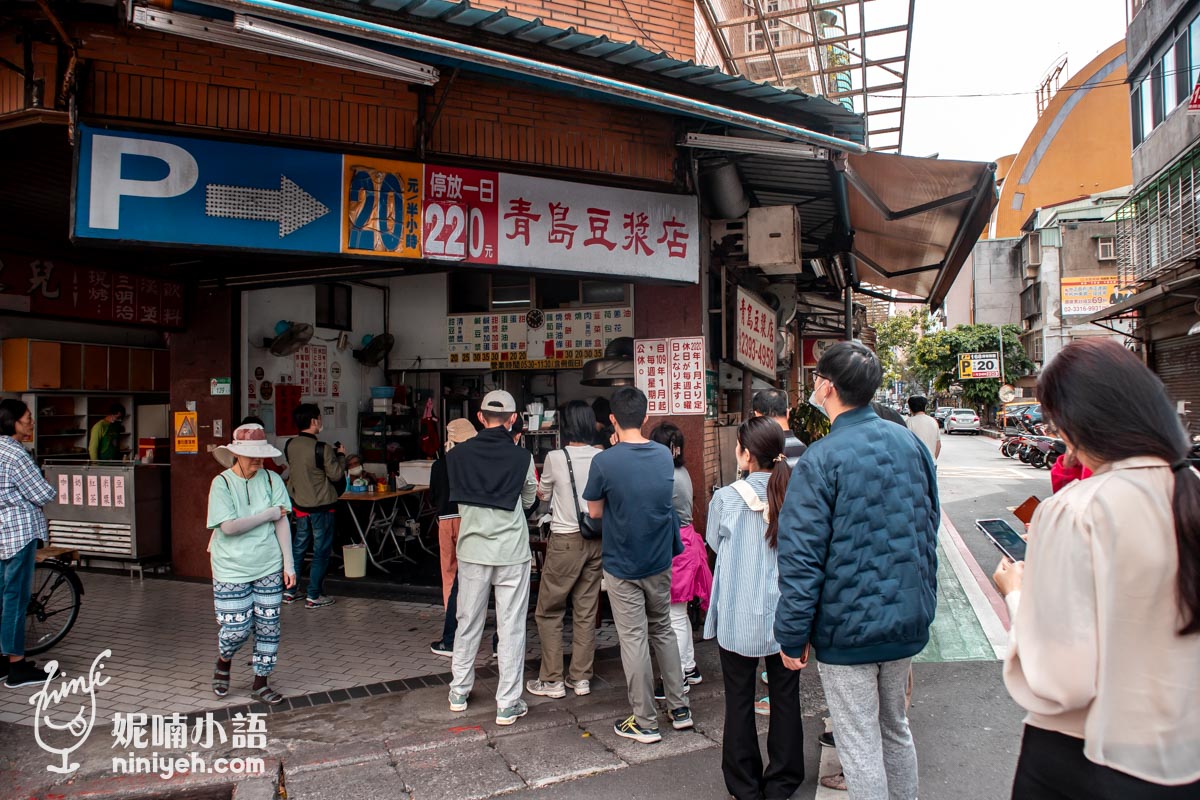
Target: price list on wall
560,339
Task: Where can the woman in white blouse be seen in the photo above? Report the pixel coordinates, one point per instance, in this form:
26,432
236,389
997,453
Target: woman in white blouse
743,529
1105,643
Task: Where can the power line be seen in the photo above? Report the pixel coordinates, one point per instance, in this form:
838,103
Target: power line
1080,87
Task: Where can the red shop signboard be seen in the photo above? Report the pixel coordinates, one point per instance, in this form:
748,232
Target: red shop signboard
53,288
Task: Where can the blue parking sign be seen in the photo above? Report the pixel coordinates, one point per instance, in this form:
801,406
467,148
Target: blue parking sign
179,190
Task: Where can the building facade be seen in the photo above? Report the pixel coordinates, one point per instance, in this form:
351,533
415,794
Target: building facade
1157,243
223,209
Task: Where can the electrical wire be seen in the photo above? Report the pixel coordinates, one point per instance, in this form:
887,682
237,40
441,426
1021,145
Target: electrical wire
1068,88
641,30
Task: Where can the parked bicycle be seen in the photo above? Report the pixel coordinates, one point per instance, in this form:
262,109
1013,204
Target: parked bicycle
53,606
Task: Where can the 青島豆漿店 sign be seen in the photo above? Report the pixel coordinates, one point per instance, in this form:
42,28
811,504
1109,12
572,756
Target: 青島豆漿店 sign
144,187
754,334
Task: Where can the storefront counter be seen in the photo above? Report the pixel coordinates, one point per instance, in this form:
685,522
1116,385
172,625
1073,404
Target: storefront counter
114,510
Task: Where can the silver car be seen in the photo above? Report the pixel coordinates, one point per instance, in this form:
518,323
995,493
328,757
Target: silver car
962,419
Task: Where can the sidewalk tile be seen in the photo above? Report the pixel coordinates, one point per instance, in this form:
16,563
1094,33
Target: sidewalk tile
559,754
458,772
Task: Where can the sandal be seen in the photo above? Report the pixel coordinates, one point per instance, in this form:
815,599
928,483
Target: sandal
220,681
836,782
267,695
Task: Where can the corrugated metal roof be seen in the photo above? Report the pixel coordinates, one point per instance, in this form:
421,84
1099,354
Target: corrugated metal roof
698,80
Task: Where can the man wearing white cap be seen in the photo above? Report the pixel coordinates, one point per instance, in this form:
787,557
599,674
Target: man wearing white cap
493,484
251,552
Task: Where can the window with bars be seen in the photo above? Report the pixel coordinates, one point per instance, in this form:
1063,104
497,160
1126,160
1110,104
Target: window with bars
1031,302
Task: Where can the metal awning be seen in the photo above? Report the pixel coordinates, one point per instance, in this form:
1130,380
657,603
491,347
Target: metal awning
1141,299
915,220
591,66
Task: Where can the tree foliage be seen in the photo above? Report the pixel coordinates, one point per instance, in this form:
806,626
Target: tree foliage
935,358
895,338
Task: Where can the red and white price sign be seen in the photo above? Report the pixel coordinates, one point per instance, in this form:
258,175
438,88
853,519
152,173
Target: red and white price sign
687,375
755,333
651,374
460,217
446,231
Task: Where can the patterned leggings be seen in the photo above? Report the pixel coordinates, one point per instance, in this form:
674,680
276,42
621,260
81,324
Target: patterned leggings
241,604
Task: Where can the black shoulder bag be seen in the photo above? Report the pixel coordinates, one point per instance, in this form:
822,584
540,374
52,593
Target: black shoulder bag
589,528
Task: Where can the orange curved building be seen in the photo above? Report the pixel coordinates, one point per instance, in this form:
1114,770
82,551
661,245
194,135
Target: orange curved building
1080,145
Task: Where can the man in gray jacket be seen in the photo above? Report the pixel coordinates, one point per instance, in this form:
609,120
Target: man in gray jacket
315,481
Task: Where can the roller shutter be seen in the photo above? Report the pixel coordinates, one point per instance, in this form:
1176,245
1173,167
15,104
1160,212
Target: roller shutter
1177,362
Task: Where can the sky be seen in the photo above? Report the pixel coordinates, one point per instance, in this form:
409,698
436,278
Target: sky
1002,47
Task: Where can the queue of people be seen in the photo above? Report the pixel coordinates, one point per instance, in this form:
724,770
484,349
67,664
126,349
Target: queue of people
824,554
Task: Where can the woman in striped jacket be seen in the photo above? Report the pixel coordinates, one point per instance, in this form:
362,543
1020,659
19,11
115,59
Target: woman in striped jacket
742,529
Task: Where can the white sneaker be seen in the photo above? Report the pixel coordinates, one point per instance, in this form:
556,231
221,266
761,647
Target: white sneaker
583,687
546,688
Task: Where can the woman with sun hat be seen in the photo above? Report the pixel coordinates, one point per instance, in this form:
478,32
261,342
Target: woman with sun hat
251,552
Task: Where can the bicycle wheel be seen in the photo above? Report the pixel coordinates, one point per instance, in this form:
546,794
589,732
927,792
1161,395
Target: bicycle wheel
53,607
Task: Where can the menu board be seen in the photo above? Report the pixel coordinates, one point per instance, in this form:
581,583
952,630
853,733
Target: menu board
561,339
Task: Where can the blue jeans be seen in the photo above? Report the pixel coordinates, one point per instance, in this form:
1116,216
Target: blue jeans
17,574
317,527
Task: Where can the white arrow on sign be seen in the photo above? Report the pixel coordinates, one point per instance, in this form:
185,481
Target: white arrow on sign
289,205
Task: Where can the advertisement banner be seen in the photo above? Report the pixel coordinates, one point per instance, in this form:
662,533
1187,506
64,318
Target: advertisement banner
1089,295
754,333
150,187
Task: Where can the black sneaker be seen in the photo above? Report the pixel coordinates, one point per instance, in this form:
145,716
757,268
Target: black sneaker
661,694
440,648
681,719
826,739
24,673
630,729
693,676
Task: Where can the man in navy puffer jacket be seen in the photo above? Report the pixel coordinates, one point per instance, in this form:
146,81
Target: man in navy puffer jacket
858,571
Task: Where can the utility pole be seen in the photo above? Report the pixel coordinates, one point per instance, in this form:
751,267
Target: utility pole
1000,328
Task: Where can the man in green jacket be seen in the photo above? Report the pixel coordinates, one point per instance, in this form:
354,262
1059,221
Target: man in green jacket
104,441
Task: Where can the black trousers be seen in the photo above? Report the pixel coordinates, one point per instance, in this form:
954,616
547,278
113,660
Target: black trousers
741,760
1052,766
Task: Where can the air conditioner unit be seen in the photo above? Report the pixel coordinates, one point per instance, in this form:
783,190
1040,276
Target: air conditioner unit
773,239
732,229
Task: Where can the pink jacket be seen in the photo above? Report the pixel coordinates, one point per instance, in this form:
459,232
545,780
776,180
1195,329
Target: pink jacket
690,573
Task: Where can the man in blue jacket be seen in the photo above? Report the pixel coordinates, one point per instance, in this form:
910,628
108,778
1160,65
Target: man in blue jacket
858,571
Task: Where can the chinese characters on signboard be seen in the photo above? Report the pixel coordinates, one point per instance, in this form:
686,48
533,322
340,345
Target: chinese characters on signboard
55,288
312,370
755,334
1091,294
505,341
671,373
383,207
651,374
480,217
687,375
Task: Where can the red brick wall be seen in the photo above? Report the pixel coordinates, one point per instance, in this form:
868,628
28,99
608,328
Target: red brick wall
150,77
199,354
655,24
12,85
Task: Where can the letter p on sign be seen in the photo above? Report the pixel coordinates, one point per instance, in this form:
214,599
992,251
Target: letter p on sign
108,185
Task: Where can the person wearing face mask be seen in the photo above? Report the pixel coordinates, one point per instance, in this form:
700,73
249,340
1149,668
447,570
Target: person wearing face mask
316,479
356,470
858,571
251,555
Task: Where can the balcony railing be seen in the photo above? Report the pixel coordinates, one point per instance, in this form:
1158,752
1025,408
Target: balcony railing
1159,228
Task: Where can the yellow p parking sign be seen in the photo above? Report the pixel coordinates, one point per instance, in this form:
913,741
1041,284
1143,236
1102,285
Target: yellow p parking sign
965,366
